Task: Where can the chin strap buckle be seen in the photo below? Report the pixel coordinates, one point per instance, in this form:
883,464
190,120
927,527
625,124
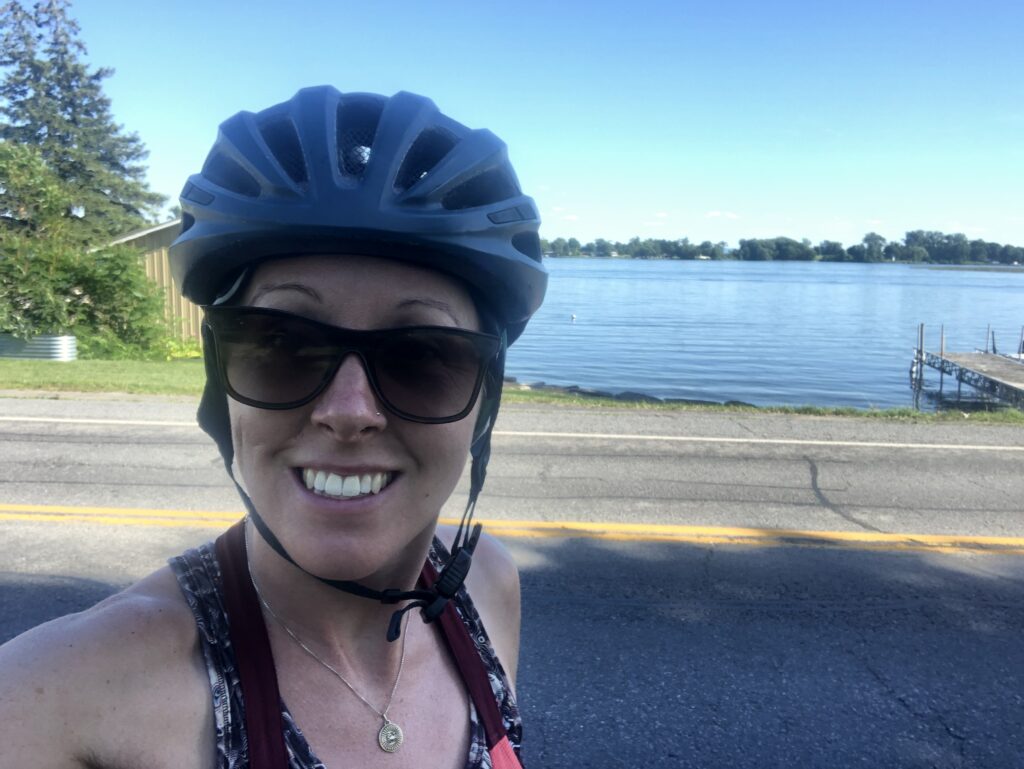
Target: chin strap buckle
451,578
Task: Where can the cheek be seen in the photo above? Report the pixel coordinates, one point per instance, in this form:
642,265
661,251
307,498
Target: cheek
444,450
255,433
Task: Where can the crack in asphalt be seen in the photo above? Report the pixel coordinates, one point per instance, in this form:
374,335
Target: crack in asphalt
706,575
742,426
925,717
828,504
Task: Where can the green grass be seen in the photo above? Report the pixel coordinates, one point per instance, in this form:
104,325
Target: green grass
513,394
186,377
180,377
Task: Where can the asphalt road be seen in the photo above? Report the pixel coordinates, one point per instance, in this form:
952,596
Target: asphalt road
689,652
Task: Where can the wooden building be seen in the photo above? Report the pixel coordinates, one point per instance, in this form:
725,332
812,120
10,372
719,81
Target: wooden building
184,318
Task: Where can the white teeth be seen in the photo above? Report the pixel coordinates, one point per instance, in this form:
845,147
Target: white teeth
351,486
334,485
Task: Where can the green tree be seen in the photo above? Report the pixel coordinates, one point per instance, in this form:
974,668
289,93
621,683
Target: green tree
574,247
51,284
51,99
915,254
874,247
857,253
755,250
787,249
832,251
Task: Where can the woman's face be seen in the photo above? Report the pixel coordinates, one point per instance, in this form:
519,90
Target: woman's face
345,433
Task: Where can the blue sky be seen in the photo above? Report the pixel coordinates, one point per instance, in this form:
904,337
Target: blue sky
713,121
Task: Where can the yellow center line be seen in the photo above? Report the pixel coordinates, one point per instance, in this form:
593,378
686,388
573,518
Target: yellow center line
621,532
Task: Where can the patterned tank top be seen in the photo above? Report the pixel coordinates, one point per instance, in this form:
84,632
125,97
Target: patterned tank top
199,577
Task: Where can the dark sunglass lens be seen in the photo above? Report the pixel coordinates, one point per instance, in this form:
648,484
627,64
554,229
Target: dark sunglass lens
428,373
271,359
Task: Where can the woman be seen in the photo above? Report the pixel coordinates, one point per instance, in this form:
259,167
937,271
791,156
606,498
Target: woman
364,261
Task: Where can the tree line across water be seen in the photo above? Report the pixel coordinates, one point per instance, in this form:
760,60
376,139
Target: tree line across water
918,246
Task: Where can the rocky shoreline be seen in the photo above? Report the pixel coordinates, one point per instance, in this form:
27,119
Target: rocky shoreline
626,396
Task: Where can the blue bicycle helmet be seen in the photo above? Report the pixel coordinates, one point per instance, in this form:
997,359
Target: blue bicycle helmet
370,175
359,173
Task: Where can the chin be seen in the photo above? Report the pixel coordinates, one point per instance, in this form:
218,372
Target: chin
371,561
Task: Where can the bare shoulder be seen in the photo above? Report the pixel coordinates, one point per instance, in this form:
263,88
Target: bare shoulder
104,686
493,583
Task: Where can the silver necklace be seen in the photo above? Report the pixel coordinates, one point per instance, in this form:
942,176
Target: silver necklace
390,736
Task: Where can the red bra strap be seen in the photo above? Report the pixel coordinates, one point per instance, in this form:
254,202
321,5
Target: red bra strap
256,673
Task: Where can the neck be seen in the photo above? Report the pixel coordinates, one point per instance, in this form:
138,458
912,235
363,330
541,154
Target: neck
339,626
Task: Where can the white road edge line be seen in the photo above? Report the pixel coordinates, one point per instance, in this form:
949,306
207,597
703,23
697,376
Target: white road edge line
759,441
82,421
591,436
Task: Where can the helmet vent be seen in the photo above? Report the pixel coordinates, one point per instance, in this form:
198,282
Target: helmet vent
226,173
426,152
357,126
482,190
528,243
283,141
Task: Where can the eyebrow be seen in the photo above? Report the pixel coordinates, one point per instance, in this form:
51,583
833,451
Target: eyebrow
300,287
432,303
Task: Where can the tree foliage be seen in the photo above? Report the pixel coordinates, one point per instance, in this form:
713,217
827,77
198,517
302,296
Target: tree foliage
917,246
50,284
70,180
52,100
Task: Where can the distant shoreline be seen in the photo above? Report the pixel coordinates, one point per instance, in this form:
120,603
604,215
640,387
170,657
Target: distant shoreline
920,265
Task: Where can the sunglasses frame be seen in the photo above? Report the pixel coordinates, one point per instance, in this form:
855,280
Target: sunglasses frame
348,342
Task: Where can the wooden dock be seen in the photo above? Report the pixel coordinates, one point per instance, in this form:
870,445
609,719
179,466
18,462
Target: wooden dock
1000,376
995,375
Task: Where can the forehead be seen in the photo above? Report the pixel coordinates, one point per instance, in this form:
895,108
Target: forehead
354,290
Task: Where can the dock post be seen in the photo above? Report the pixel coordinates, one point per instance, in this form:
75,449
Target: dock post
988,333
942,354
920,355
1020,345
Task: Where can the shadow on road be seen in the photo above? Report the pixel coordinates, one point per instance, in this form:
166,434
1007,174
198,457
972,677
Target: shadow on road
27,601
666,655
669,655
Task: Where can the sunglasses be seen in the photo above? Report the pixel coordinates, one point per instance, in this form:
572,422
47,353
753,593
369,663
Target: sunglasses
275,360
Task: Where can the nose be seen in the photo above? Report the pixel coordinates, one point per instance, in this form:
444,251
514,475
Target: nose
348,407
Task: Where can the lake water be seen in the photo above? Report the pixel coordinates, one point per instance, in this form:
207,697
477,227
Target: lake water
767,333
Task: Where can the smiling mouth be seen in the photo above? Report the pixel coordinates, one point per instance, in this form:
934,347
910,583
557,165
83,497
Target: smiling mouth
344,486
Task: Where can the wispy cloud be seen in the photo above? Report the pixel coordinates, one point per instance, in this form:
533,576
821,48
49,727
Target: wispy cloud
570,218
721,215
662,214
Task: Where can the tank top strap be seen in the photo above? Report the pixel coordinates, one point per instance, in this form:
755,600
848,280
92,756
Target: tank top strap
256,671
481,672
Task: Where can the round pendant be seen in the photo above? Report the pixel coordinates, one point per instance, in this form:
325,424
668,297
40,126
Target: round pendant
390,737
